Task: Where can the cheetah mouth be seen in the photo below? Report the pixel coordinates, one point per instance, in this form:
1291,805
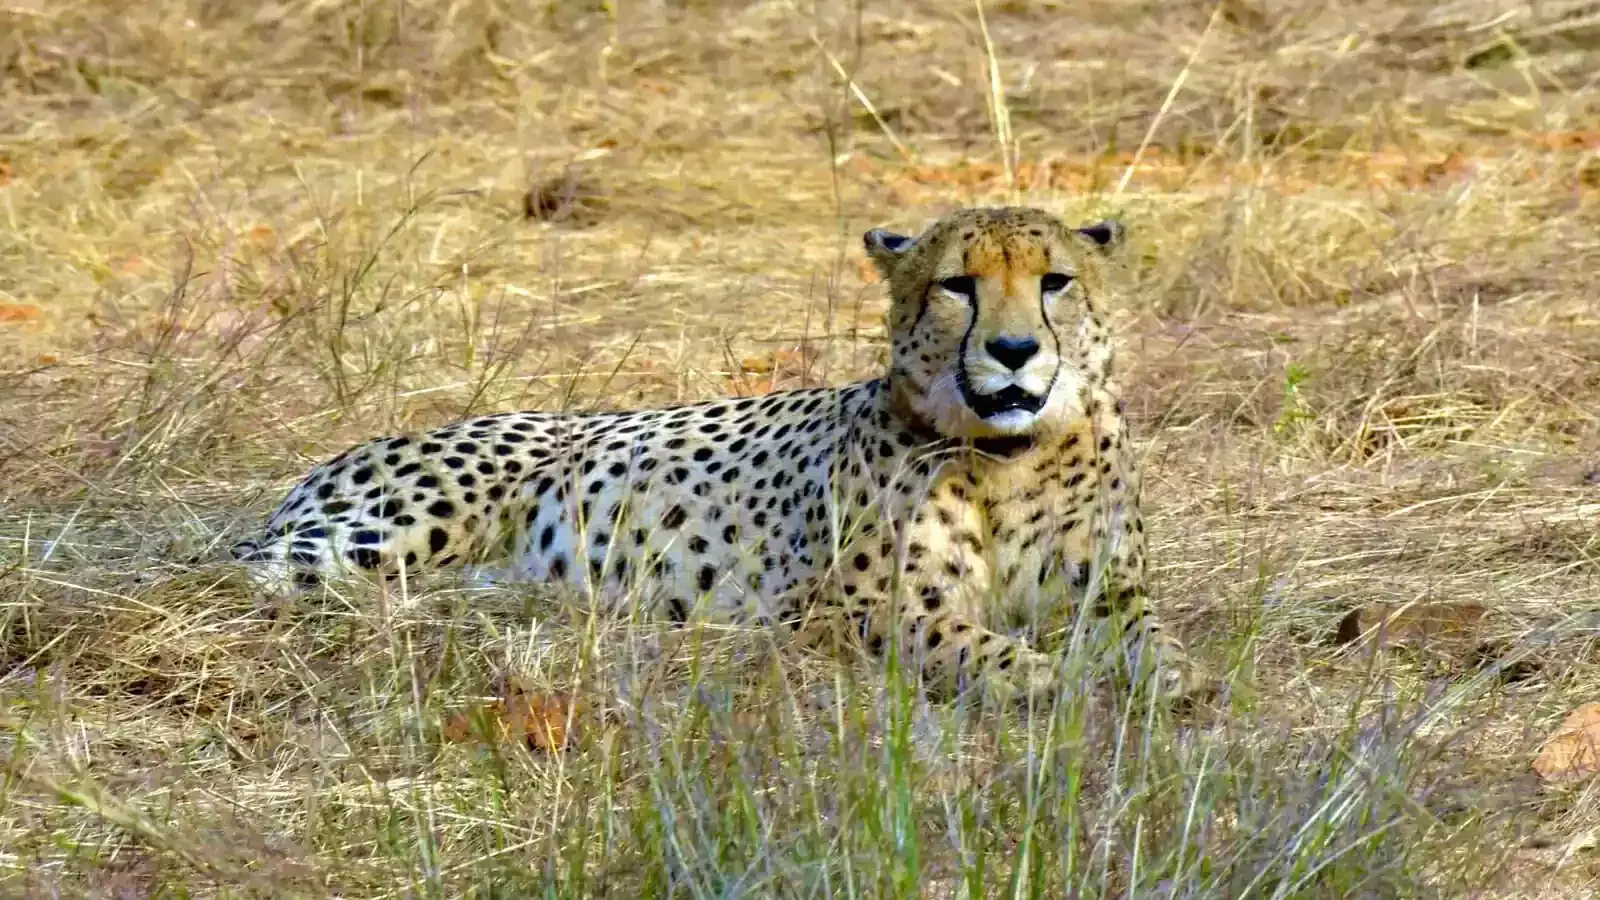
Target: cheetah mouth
1006,400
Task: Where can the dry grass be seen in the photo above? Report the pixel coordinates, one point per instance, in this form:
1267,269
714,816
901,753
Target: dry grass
1361,342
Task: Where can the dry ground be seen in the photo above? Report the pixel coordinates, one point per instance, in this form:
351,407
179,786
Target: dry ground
1362,344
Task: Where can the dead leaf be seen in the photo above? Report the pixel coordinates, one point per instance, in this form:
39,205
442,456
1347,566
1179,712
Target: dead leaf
750,387
1573,751
784,368
1435,172
1567,140
5,172
540,720
20,312
792,363
460,728
1589,173
786,361
1410,624
1245,15
567,198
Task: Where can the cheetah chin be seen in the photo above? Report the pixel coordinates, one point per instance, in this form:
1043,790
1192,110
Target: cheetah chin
1012,422
989,460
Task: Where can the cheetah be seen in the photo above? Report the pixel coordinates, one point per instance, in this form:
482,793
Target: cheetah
987,475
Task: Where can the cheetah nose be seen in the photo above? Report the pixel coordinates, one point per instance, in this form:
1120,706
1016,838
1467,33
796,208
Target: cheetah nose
1012,352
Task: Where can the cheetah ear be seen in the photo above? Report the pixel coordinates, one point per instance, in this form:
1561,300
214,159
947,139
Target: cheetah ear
1106,236
886,249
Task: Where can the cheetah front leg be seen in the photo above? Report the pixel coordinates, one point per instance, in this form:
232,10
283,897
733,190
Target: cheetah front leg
926,611
1149,647
1119,600
954,653
1103,561
951,652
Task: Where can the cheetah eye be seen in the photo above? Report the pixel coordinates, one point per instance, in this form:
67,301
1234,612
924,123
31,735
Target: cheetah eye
965,285
1053,282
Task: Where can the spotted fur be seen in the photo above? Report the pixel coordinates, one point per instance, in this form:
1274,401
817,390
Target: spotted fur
985,477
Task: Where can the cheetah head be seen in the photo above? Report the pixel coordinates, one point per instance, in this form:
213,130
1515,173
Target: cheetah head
993,323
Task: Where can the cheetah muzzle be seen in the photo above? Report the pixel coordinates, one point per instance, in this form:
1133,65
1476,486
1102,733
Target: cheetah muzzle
986,475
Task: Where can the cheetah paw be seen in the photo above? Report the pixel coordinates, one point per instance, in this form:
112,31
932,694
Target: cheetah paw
1185,685
1034,675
